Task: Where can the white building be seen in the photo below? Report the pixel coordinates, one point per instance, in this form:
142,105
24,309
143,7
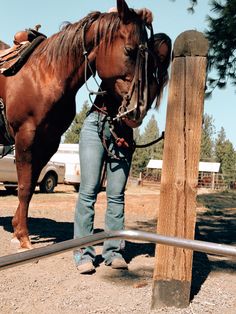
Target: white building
209,175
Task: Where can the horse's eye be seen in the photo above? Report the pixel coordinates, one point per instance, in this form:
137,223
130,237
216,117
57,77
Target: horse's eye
130,52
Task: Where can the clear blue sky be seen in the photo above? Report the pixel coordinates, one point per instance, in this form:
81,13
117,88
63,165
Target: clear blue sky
169,17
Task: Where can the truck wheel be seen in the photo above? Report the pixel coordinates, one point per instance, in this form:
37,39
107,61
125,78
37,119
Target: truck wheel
48,184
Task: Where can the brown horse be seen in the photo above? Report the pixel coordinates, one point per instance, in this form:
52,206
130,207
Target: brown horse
40,98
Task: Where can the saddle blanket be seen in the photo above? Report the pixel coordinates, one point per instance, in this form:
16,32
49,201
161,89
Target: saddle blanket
12,59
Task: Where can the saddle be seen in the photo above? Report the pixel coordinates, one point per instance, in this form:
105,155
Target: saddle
13,58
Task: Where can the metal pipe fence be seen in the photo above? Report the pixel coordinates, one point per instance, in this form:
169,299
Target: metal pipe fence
16,259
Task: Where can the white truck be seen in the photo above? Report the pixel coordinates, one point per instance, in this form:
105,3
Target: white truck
52,174
69,155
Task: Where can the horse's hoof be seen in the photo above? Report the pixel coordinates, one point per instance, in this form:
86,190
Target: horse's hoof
15,245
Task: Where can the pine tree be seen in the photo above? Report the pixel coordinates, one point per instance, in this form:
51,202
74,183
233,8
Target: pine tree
219,145
222,41
142,156
222,38
192,3
137,164
73,133
151,132
207,140
225,154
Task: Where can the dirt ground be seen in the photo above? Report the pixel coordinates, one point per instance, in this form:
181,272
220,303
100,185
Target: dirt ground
52,285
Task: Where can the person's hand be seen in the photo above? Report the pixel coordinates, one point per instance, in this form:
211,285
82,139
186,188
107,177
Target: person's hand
113,9
146,15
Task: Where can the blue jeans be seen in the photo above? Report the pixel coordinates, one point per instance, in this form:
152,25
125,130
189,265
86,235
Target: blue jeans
92,156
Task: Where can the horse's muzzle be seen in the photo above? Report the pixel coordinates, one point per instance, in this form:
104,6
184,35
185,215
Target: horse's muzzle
131,115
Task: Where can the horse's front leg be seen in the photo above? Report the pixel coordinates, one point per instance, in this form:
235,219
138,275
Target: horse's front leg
27,172
25,190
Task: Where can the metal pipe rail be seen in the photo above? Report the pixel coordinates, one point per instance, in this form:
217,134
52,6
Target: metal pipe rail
16,259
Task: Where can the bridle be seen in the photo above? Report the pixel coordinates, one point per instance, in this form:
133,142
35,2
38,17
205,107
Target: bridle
140,79
139,83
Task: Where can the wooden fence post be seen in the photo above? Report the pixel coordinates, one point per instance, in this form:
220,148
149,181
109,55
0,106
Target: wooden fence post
173,266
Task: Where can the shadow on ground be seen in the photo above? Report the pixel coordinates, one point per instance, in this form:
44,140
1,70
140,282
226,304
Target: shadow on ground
43,230
215,224
5,193
218,222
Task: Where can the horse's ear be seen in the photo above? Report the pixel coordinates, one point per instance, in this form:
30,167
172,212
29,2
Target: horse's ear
123,10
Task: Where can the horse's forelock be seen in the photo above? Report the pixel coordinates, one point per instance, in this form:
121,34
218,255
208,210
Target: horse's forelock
109,23
106,27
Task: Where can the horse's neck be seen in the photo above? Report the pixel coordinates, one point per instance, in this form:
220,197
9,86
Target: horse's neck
87,61
71,73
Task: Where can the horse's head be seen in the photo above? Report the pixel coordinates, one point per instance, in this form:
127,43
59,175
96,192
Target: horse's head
122,59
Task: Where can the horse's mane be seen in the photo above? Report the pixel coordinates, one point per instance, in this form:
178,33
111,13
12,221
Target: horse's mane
66,45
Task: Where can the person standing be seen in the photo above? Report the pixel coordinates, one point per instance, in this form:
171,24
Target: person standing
99,148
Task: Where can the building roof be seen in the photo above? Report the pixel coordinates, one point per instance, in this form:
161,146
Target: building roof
203,166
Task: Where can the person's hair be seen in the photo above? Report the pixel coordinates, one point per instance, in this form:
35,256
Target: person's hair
162,72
